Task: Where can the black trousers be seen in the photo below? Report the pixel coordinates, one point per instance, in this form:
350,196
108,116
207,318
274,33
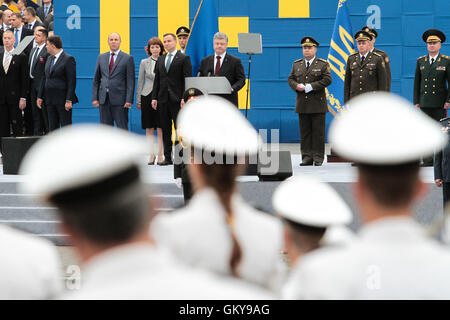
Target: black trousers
446,192
58,116
168,112
40,117
187,192
110,113
11,117
312,136
435,114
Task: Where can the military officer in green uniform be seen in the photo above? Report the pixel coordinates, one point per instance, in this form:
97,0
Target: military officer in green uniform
309,78
183,35
385,56
432,80
365,71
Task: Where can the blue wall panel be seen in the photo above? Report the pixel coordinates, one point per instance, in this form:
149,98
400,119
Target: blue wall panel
272,101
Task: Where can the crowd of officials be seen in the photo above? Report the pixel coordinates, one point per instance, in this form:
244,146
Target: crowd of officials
218,246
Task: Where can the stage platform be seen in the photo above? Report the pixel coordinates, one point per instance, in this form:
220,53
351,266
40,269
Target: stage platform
22,212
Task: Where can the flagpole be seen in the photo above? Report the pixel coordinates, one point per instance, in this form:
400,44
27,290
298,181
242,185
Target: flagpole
193,22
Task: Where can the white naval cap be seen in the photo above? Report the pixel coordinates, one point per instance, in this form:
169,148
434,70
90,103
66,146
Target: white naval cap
77,156
308,201
384,129
214,124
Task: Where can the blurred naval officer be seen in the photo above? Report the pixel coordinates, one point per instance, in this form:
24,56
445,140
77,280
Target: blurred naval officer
218,230
385,56
314,215
442,164
432,81
365,71
309,77
393,257
30,267
105,208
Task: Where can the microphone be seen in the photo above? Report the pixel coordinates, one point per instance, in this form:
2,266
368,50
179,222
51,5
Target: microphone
209,74
198,74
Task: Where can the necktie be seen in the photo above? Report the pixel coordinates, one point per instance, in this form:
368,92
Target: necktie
168,62
7,62
34,59
111,63
216,72
432,60
16,34
53,64
362,59
307,65
46,10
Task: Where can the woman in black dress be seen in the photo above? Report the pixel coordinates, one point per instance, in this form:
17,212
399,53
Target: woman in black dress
150,116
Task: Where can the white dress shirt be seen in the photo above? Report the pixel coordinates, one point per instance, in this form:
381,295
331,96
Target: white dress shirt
435,57
116,53
39,48
308,87
57,56
167,57
222,56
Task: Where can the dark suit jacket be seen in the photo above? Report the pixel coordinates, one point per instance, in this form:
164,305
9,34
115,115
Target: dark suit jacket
40,12
58,86
169,86
442,163
37,70
14,85
119,84
231,68
319,77
36,24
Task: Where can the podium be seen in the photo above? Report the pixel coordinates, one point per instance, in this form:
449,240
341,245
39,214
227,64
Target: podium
13,151
209,85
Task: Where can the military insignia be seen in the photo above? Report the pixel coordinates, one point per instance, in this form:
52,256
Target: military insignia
422,67
315,70
354,62
383,64
441,68
307,40
14,62
191,92
182,30
386,60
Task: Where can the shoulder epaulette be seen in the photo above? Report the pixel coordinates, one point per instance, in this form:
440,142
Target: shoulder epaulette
323,60
444,56
421,57
354,54
299,60
377,54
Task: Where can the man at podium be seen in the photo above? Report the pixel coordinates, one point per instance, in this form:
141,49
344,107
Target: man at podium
223,64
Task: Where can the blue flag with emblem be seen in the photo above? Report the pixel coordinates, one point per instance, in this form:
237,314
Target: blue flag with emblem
341,46
204,26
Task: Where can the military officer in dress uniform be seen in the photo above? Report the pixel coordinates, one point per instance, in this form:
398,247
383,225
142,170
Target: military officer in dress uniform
180,170
442,164
432,80
309,78
365,71
374,35
309,221
218,230
393,257
183,35
105,208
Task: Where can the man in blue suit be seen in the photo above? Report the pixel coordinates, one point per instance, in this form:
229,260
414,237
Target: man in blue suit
113,87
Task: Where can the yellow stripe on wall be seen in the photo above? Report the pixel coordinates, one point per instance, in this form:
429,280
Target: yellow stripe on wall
172,15
293,8
115,18
231,26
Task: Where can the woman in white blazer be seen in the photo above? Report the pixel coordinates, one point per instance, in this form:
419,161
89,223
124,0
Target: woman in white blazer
218,230
150,116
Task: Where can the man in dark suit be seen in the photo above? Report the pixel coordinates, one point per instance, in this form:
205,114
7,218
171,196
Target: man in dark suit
43,11
20,32
223,64
168,88
58,85
13,87
29,16
309,78
37,61
113,87
442,164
